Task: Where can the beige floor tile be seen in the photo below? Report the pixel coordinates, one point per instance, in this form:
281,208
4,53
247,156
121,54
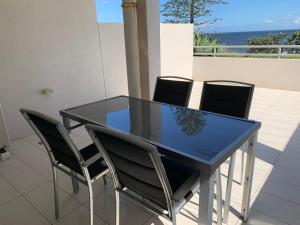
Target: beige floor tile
129,212
34,140
7,192
256,218
11,165
25,179
80,216
20,212
43,166
80,141
277,208
187,216
237,189
81,131
288,176
29,153
266,153
288,163
16,144
282,190
278,143
42,199
83,195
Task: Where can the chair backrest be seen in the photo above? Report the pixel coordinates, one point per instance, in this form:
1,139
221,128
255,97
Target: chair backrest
173,90
54,136
227,97
134,164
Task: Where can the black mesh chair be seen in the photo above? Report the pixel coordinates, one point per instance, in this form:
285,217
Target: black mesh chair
227,97
86,165
230,98
173,90
142,174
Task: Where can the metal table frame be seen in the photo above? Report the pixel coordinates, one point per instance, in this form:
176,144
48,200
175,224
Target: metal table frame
207,188
207,178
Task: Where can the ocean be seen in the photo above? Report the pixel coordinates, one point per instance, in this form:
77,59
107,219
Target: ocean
241,38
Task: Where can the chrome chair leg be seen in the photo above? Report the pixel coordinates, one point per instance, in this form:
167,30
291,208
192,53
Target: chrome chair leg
75,182
219,196
174,221
91,198
229,188
104,180
117,208
56,203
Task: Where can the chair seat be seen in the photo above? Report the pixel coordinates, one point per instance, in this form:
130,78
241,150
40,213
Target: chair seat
183,180
94,169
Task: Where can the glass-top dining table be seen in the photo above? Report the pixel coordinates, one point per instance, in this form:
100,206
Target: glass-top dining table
199,139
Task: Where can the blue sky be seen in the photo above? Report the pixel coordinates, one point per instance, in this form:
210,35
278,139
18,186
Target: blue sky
237,15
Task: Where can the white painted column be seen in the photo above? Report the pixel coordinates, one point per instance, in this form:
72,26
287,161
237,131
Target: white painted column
131,47
142,40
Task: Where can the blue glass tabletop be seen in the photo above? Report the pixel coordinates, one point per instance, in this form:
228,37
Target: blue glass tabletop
197,136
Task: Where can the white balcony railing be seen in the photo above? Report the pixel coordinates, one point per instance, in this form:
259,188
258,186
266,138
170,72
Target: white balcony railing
273,51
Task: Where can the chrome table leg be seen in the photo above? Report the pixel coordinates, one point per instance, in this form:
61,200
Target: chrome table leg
229,187
219,196
206,198
242,163
248,177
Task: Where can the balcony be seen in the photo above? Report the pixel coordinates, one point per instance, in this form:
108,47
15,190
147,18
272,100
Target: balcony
26,179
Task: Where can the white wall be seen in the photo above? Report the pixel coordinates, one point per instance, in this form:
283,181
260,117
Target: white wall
176,54
56,44
177,50
268,73
114,58
47,44
154,42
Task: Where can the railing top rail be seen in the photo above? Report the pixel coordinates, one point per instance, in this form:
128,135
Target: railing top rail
248,46
280,50
247,54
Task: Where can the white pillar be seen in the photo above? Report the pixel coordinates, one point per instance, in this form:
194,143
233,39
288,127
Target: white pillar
142,41
131,47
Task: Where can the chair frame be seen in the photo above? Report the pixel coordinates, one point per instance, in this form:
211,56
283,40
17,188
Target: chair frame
232,158
172,205
86,180
177,78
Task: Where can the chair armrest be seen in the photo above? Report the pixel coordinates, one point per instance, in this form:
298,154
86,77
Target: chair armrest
92,160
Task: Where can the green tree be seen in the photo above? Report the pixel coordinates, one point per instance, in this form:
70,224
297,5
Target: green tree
204,40
294,39
271,39
189,11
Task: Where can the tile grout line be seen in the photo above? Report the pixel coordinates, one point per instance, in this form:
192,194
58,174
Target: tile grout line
22,196
280,198
272,104
279,220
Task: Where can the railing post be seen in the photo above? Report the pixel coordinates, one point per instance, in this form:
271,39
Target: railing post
279,52
215,51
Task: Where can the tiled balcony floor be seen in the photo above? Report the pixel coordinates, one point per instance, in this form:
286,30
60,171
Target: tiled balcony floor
26,180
